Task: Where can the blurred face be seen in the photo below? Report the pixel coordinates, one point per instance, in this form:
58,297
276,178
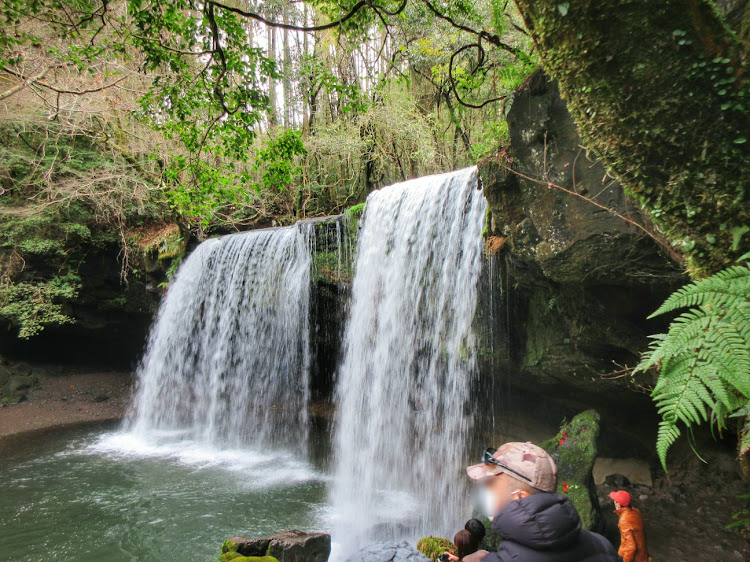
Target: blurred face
499,491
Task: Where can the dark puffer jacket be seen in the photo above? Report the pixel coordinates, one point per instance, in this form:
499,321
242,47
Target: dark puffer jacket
546,528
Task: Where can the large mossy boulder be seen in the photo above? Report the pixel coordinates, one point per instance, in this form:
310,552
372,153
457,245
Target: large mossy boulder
286,546
574,449
298,546
433,547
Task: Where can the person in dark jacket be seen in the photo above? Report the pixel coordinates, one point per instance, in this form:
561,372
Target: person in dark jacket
518,483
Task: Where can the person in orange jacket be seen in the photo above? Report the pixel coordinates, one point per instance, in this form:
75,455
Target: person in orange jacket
633,538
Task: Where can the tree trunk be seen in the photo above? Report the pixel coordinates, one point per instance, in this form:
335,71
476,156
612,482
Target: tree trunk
306,106
273,119
659,91
287,69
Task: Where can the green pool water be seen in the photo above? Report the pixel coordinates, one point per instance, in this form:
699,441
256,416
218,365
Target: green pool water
100,495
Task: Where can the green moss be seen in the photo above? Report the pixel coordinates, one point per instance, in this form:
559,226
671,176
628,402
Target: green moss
664,101
228,546
487,222
574,449
356,211
335,241
229,553
330,265
433,547
354,216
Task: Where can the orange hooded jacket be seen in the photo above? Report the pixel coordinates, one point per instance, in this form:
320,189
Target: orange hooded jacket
633,543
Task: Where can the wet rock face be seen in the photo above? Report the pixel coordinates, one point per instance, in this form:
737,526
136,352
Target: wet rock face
580,279
569,238
389,552
17,380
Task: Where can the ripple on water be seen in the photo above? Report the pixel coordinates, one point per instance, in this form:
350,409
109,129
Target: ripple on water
122,497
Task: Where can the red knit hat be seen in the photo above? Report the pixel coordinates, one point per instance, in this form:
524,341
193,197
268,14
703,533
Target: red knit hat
621,497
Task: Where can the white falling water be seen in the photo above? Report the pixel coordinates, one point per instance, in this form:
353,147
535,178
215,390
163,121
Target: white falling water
408,362
227,362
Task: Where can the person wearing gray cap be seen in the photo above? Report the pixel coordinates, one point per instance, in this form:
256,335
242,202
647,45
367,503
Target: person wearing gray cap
517,485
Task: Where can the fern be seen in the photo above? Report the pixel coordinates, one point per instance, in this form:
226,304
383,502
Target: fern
704,359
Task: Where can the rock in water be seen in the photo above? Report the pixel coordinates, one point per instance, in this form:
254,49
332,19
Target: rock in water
389,552
574,449
247,547
298,546
286,546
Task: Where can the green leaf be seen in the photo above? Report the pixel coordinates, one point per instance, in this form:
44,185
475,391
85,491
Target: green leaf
704,359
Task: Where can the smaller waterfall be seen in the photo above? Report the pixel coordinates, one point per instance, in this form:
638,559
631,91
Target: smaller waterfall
408,361
227,362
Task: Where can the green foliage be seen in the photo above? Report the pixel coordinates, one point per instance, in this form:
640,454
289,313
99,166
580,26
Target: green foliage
704,359
140,113
356,211
64,199
433,547
33,305
492,135
741,519
277,161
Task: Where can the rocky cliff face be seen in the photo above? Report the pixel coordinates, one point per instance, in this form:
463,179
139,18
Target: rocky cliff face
580,275
571,278
111,317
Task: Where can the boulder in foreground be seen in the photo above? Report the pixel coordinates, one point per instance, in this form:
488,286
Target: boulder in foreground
286,546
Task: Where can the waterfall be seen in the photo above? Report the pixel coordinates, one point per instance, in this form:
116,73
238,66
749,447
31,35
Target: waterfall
227,362
408,362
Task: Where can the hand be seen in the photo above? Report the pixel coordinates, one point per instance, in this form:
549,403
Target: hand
452,557
476,557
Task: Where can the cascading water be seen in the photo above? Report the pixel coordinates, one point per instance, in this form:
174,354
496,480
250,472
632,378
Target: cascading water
408,361
227,362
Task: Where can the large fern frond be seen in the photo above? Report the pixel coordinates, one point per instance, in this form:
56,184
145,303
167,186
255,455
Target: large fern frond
704,359
718,290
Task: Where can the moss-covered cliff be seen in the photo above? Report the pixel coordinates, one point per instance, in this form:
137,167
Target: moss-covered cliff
659,90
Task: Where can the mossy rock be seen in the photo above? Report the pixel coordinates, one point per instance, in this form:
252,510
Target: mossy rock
433,547
574,450
235,557
229,553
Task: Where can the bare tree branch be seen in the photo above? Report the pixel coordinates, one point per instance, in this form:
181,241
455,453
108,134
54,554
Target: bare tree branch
291,27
